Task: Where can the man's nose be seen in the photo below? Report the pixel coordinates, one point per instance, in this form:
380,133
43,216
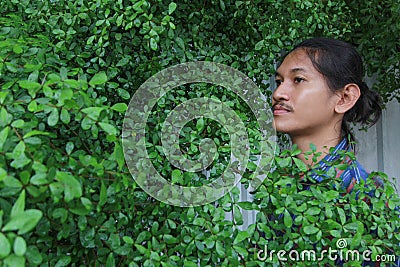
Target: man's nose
281,93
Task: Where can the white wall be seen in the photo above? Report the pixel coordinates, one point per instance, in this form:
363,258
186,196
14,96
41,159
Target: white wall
379,147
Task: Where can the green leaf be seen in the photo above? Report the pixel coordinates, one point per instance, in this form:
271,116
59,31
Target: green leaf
18,123
19,150
5,247
93,112
19,246
39,179
119,155
219,247
110,260
177,177
246,205
31,86
128,240
35,132
237,215
63,261
69,147
287,219
19,205
53,117
153,44
241,250
171,8
24,222
98,78
259,45
120,107
242,235
123,61
300,164
103,194
341,215
310,229
72,187
14,260
200,124
3,136
33,256
331,195
108,128
64,116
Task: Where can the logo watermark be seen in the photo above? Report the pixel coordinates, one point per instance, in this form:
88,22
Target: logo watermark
338,254
146,97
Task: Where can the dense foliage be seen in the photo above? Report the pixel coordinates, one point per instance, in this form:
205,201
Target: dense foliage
67,72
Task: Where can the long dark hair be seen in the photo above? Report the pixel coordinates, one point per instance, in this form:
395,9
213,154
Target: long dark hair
340,64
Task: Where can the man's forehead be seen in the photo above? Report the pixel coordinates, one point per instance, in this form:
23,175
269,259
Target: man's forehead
293,71
295,62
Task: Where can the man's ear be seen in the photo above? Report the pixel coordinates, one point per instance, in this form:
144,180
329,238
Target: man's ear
348,98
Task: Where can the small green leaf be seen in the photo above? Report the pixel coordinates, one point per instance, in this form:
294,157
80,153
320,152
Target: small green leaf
18,123
108,128
300,164
119,155
19,246
259,45
176,177
128,240
63,261
153,44
200,124
64,116
72,187
341,215
24,222
310,229
3,136
53,117
237,215
242,235
171,8
93,112
103,194
98,78
120,107
5,247
19,205
220,249
35,132
287,219
33,256
31,86
110,260
69,147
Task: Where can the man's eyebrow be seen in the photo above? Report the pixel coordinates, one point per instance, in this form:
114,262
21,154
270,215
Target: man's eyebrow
294,70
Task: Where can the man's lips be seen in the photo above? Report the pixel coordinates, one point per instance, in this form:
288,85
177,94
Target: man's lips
280,108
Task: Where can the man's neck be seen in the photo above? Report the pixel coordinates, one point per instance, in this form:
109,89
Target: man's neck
322,144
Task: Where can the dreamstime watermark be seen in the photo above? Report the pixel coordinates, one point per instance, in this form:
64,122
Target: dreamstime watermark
338,254
147,96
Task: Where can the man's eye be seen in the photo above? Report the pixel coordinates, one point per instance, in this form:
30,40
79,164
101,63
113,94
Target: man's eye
278,82
298,80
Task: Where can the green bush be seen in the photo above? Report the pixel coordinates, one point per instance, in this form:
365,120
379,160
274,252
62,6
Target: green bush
67,72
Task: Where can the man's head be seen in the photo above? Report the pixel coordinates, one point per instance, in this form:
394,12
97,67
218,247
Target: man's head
320,87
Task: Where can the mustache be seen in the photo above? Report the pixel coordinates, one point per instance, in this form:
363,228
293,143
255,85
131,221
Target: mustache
282,105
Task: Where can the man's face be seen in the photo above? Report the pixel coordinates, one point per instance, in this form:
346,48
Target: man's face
303,104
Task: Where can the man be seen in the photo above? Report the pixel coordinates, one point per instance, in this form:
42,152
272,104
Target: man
319,92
